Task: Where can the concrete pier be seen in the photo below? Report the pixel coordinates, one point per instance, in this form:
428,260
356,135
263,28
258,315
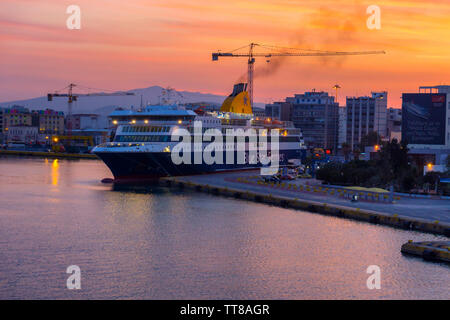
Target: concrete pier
429,250
432,216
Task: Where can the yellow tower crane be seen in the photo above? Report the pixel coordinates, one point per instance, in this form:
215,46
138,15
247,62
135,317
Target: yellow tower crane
279,52
71,97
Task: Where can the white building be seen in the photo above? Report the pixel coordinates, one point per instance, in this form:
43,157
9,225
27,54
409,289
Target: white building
22,134
342,133
82,121
394,124
366,114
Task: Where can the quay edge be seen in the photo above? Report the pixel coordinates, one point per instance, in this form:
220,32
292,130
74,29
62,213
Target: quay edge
396,221
428,250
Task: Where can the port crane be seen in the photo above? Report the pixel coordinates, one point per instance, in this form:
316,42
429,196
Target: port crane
74,97
279,52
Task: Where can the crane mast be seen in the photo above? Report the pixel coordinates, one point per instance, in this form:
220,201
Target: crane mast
251,64
286,52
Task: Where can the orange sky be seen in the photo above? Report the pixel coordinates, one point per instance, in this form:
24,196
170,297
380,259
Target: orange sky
136,43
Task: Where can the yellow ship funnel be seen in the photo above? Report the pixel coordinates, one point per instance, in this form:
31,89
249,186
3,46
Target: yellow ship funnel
238,101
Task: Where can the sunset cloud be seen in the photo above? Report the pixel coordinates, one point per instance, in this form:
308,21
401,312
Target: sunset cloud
137,43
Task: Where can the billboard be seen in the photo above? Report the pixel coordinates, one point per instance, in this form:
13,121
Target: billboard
423,118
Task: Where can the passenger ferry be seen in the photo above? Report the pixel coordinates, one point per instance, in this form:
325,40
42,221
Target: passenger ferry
142,145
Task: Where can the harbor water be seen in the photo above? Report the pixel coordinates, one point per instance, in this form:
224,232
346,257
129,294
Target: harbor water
173,244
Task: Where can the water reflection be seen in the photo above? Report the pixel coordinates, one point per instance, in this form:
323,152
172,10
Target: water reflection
55,172
158,244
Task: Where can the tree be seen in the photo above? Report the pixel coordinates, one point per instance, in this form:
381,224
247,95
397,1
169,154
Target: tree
356,153
396,154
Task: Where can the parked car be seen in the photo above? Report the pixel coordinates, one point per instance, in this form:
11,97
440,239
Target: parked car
273,178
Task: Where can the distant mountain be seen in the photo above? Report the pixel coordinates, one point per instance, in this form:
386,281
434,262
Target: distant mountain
103,105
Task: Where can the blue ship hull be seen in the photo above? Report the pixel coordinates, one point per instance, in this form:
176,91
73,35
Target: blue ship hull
145,166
